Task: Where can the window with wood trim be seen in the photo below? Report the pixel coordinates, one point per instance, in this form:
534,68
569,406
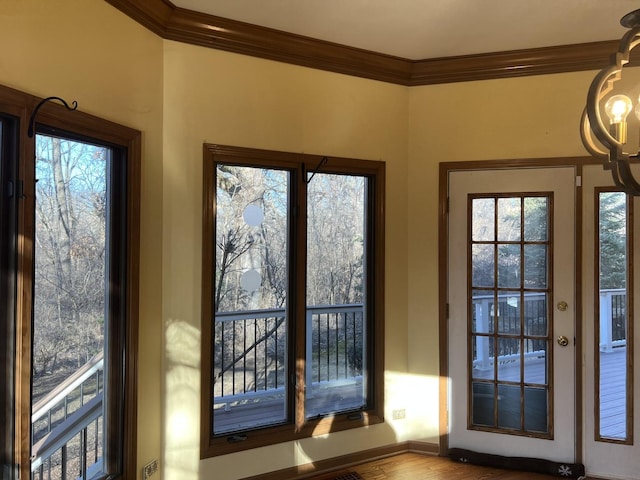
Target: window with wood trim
293,296
614,345
69,252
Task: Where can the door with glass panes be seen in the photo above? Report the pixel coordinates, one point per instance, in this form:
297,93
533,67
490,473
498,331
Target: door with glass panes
512,359
511,312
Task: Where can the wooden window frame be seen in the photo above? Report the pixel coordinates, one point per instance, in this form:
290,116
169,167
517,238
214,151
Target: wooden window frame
126,145
297,427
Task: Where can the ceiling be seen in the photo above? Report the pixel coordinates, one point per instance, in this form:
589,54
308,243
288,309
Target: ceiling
426,29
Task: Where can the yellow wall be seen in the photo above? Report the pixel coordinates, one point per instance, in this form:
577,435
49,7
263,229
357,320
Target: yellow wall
529,117
217,97
181,96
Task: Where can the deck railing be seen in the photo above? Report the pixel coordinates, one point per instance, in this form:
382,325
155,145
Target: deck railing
613,319
507,313
250,350
66,426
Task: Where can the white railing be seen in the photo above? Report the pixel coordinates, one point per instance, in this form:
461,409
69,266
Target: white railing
65,414
611,301
612,309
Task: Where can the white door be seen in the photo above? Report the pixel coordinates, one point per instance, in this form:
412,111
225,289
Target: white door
611,450
511,306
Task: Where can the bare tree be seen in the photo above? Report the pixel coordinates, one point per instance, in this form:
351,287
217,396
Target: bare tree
70,253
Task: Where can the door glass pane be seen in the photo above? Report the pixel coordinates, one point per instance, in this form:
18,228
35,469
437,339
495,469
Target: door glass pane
535,266
535,360
509,261
482,404
509,319
336,315
509,406
70,312
535,219
250,298
483,219
483,266
509,313
483,311
509,219
483,358
613,358
535,409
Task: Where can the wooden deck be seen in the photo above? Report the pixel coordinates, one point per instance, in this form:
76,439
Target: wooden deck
613,396
265,410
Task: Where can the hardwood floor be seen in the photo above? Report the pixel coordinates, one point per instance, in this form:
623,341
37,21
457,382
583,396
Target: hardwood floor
414,466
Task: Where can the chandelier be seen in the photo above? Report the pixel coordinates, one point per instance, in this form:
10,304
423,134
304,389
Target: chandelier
610,101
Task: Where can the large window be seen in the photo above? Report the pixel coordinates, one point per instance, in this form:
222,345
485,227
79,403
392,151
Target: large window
69,256
292,296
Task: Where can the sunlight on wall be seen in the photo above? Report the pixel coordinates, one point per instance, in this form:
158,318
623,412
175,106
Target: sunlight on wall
415,397
182,401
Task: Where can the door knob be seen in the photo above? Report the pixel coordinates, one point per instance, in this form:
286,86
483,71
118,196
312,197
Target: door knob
562,306
563,341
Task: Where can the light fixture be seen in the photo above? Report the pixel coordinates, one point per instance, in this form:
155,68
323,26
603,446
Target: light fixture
603,128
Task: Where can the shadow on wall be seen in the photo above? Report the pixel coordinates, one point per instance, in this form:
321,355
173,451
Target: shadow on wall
182,401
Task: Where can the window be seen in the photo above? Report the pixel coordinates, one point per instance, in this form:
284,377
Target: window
614,317
69,244
293,296
509,318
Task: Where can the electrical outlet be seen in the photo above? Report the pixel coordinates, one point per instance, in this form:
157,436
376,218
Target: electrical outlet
399,414
149,469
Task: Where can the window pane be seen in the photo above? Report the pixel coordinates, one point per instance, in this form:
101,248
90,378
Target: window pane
509,219
535,361
483,265
483,220
536,409
535,266
509,266
509,407
536,210
482,399
483,360
336,318
509,359
615,363
535,314
509,313
250,298
484,312
70,311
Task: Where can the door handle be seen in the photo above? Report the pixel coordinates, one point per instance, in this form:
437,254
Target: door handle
563,341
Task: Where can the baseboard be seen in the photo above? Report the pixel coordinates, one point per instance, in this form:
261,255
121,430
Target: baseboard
321,467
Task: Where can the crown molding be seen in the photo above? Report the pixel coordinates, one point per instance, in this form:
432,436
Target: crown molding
187,26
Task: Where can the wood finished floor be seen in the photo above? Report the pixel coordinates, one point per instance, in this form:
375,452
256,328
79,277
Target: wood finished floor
414,466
